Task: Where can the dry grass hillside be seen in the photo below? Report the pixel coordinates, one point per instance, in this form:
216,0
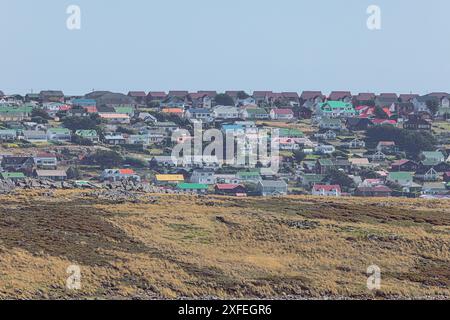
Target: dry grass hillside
172,246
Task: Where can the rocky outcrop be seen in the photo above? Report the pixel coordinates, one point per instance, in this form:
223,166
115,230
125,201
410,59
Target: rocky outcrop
7,186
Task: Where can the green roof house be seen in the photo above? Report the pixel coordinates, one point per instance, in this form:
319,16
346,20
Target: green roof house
323,166
15,113
91,135
249,176
12,175
432,157
255,114
125,110
401,178
336,109
8,135
193,187
59,134
291,133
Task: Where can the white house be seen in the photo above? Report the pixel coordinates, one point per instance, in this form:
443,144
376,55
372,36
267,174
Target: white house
203,176
330,124
329,135
324,149
35,136
202,114
119,174
327,190
59,134
282,114
355,144
272,188
226,112
46,161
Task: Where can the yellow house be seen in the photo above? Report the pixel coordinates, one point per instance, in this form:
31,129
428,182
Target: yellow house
169,178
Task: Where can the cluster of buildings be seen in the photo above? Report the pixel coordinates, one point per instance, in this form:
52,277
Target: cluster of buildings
322,141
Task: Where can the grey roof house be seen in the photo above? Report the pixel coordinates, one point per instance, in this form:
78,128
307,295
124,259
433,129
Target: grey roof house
272,188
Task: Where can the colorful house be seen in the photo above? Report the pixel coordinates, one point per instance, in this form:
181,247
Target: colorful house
119,175
59,134
13,176
90,135
326,190
193,187
282,114
336,109
167,179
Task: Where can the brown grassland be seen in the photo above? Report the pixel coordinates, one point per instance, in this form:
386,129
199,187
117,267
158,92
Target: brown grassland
206,247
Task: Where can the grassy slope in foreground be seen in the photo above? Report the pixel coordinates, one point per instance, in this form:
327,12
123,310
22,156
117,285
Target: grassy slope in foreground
201,247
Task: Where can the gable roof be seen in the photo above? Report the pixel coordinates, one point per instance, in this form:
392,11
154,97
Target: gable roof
309,95
400,175
365,96
283,111
379,188
432,154
192,186
172,110
439,95
157,94
45,155
178,93
248,174
388,95
273,183
51,173
408,97
327,188
290,95
209,93
255,111
261,94
233,93
199,110
114,116
137,94
48,93
325,162
58,130
112,98
359,161
86,133
400,162
12,175
386,143
197,95
228,186
126,171
338,95
169,177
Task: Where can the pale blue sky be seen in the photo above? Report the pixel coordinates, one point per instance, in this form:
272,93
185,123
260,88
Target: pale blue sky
282,45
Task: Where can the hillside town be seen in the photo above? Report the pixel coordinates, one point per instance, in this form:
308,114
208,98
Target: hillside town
336,145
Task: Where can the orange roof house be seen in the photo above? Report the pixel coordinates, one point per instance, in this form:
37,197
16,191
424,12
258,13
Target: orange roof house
127,171
176,111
